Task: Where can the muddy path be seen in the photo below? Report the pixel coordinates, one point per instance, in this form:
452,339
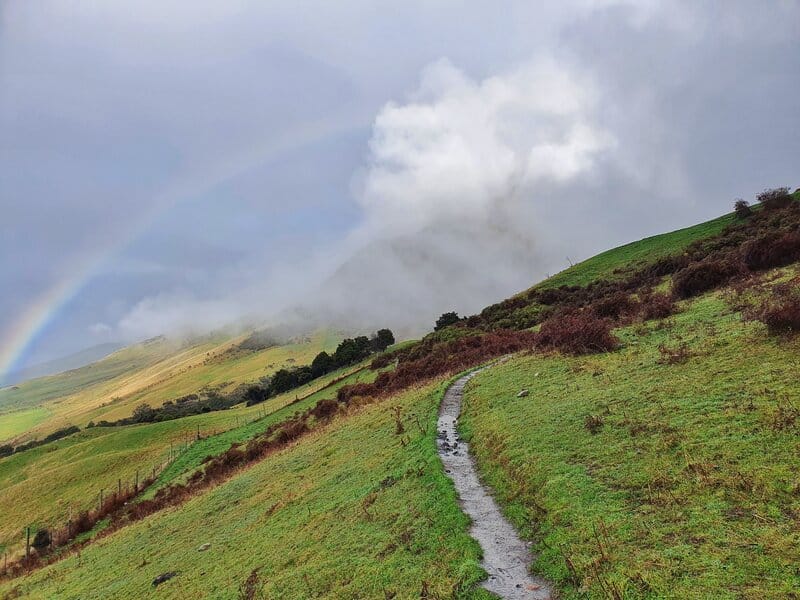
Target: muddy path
505,556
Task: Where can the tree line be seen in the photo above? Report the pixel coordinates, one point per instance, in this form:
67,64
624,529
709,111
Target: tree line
348,352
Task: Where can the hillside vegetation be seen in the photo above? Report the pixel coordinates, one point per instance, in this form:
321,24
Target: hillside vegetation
348,512
667,469
150,373
45,486
644,438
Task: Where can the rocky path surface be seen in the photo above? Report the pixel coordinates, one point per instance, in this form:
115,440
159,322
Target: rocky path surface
505,556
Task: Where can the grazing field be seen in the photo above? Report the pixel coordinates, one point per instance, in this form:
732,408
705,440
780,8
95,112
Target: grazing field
666,469
45,485
151,373
15,423
346,512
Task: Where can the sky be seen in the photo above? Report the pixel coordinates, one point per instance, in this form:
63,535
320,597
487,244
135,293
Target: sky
175,167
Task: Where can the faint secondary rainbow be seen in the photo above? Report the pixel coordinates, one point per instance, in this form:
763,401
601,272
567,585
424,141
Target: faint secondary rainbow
26,329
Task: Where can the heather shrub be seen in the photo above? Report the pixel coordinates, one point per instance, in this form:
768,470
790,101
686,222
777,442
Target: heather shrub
325,409
701,277
781,314
42,540
82,523
775,198
577,332
772,250
656,306
614,306
667,265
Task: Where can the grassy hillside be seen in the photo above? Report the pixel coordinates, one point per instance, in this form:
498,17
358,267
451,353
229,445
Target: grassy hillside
151,373
45,485
655,479
660,465
36,392
636,254
347,512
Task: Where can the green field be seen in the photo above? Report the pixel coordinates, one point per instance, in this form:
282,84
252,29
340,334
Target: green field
151,373
15,423
346,512
688,488
45,485
38,391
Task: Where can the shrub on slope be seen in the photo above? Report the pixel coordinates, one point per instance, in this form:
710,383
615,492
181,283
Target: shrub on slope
772,250
577,332
703,276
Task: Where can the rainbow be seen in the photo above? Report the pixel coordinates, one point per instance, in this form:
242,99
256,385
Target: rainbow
17,343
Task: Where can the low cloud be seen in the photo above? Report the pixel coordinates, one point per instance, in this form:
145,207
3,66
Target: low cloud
452,188
550,132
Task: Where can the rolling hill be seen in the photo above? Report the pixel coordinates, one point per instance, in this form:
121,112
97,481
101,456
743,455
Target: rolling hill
642,437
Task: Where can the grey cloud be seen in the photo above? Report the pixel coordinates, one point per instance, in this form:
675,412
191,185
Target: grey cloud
231,131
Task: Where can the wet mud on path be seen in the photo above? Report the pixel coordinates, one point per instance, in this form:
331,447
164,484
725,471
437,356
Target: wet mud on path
505,556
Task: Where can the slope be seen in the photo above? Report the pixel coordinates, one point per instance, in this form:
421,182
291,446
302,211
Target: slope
45,486
151,373
352,511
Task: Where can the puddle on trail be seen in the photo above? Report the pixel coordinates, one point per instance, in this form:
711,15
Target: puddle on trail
505,556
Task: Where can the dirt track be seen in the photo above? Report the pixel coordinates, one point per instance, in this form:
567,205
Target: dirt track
505,556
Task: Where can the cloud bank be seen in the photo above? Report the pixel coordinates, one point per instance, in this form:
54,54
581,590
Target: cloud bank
306,155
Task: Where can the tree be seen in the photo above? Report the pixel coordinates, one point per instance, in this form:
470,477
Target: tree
322,363
383,339
143,414
283,380
254,394
42,540
351,350
448,318
742,208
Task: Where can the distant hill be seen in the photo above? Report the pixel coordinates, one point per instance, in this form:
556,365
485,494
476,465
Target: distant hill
65,363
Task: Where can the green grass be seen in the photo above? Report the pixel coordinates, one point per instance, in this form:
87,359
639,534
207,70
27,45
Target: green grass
635,254
153,373
690,487
346,512
38,391
188,462
14,423
44,485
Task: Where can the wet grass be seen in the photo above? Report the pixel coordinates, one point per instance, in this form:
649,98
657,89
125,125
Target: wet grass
636,254
352,510
640,476
44,486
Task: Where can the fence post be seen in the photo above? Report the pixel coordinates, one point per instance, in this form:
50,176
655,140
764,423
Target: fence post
198,431
136,483
27,544
101,501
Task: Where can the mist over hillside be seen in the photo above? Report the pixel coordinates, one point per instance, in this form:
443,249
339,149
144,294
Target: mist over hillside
282,162
73,361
